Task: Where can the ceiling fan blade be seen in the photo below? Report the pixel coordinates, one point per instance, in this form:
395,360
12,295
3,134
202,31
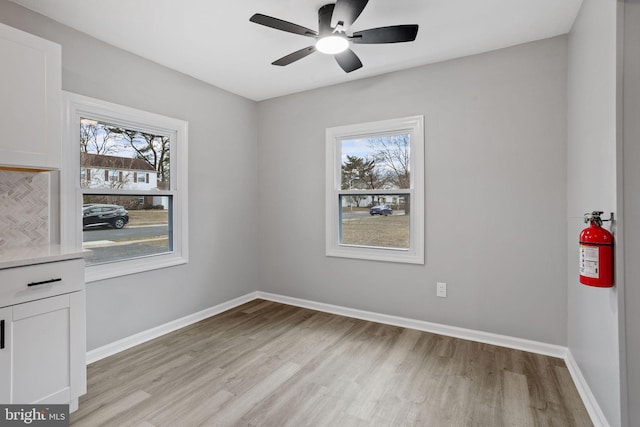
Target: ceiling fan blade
348,61
279,24
293,57
393,34
347,11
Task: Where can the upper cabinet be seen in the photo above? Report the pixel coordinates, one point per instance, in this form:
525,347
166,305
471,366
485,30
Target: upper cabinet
30,101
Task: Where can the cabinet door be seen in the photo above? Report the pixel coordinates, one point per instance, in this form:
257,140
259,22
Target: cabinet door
41,351
5,355
30,100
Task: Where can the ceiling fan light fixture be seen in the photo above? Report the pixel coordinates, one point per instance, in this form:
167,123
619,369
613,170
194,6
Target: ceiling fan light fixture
332,37
332,44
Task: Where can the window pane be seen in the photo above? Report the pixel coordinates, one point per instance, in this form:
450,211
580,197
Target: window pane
120,158
375,220
380,162
123,227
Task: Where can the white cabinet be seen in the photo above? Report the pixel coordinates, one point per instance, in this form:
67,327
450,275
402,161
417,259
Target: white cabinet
42,359
5,355
30,100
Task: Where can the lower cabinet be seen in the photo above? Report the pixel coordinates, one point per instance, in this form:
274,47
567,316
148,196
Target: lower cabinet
5,355
42,359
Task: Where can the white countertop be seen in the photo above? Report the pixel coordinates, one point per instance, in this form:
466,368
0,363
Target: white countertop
19,257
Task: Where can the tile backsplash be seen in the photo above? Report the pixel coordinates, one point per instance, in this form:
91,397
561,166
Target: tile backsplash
24,209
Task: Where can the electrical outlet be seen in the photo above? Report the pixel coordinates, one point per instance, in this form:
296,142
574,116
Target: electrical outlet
441,290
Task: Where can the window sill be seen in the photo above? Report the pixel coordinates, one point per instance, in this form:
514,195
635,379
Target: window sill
376,254
106,271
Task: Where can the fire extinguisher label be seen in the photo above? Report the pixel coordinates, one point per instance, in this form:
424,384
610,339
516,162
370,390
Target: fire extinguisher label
589,261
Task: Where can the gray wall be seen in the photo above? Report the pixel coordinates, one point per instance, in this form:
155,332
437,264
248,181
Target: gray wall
592,185
495,193
222,182
632,201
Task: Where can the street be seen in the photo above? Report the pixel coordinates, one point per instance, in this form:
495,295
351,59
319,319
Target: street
126,233
354,214
364,214
108,244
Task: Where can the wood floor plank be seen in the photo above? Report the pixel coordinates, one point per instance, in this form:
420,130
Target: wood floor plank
104,413
202,406
570,397
235,411
270,364
515,400
383,374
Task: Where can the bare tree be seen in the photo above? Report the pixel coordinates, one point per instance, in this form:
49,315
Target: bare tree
153,149
392,153
157,153
392,156
372,177
96,138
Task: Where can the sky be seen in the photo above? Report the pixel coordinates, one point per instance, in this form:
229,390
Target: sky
355,147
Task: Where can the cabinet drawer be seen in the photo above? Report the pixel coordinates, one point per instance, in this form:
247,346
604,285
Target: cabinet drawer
23,284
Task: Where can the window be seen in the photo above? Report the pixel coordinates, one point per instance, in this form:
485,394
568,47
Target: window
141,177
375,191
113,176
128,168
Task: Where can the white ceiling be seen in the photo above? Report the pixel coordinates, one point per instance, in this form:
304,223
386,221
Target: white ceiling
214,41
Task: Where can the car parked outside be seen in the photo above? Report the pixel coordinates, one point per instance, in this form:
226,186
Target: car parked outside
102,214
380,210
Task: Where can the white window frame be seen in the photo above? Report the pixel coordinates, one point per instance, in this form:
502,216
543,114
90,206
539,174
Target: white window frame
78,106
414,126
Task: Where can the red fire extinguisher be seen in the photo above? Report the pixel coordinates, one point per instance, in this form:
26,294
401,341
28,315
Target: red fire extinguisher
596,253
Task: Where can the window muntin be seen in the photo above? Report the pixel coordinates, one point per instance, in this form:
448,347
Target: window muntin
125,144
375,191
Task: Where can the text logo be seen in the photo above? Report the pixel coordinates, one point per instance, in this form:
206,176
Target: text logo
34,415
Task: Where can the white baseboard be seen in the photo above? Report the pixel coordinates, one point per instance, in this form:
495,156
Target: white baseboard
589,400
421,325
595,412
149,334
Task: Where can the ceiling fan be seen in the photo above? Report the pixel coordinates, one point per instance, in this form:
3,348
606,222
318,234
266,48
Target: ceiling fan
332,37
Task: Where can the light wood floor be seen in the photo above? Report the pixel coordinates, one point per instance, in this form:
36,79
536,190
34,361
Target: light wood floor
269,364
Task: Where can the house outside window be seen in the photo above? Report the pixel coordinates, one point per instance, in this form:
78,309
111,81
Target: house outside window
118,172
131,184
375,191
